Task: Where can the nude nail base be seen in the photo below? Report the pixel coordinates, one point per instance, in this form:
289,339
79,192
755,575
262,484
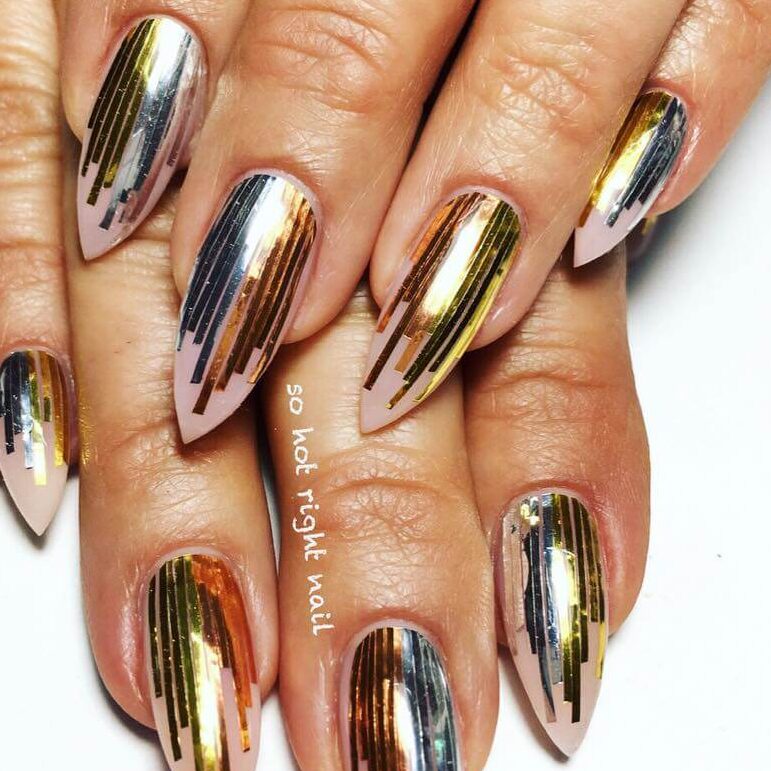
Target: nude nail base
553,600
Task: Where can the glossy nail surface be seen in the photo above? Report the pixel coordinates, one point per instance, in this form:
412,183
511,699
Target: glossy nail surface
641,161
149,106
552,595
400,711
35,418
440,299
247,283
201,669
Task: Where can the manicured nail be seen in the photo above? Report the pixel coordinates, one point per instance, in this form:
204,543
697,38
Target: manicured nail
400,712
35,416
150,105
440,299
202,675
248,281
553,600
640,163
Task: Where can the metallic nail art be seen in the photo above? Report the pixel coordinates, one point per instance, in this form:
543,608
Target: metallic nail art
552,595
35,418
247,283
150,105
443,294
400,713
201,669
640,163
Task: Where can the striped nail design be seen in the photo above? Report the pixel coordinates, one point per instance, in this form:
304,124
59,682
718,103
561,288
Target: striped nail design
400,712
149,106
247,283
35,418
640,163
552,595
201,669
441,297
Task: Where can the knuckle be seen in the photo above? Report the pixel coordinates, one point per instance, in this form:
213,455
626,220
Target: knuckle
28,270
342,53
388,495
544,78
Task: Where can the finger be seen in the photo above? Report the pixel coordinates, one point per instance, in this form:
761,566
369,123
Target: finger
507,159
134,79
304,147
178,570
35,381
383,566
560,464
697,95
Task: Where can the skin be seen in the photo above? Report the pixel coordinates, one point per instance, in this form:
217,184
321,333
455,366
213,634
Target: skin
557,394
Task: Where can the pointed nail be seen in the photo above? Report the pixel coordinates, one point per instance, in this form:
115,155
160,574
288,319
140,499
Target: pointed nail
400,711
247,284
640,163
36,430
552,595
441,297
200,665
149,106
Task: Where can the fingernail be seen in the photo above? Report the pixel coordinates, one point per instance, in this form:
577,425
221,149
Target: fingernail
35,417
247,283
440,299
553,600
400,711
640,163
200,664
149,106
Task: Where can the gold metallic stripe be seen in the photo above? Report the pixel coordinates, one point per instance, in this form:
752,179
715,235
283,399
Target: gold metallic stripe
198,628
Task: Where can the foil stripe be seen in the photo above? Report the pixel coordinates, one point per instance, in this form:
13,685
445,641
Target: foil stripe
443,294
34,406
245,287
145,113
199,642
400,714
550,555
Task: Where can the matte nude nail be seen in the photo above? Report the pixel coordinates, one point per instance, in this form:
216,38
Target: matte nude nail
36,427
247,283
149,106
553,600
200,665
641,162
400,711
440,299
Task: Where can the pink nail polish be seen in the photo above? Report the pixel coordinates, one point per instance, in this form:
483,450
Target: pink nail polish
553,600
440,299
248,281
200,667
36,429
640,163
149,106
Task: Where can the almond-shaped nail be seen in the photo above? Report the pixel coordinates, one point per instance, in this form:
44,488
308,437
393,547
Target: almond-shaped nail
642,160
247,283
400,710
553,600
36,429
442,295
201,669
149,106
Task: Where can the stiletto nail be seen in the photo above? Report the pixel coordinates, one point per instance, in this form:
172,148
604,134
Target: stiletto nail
640,163
248,280
441,297
552,596
200,664
149,106
35,417
400,713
